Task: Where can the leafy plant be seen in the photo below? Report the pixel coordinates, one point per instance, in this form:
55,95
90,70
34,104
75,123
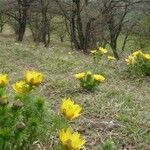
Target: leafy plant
108,145
88,80
139,63
25,118
98,53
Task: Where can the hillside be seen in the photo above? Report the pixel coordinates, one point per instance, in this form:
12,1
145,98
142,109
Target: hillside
118,109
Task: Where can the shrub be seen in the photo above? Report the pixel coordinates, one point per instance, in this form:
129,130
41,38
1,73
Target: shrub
88,80
139,63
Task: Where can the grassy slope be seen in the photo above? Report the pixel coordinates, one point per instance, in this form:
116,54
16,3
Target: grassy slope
123,99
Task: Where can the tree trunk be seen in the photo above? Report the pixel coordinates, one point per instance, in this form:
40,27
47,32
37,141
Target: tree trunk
73,31
21,31
80,26
113,45
45,24
87,38
22,19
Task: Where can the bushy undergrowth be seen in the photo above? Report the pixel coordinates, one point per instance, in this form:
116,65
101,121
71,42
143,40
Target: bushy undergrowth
139,63
24,116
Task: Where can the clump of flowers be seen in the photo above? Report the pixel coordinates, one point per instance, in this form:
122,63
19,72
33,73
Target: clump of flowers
88,80
111,58
98,53
24,119
139,62
32,80
27,118
70,140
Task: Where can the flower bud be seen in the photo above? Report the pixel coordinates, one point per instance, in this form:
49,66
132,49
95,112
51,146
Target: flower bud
3,100
17,104
20,126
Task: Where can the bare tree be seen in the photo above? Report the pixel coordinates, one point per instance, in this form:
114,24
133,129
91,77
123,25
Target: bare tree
79,21
40,21
17,9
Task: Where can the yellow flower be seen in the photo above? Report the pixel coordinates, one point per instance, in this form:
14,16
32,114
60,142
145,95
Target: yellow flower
20,87
103,50
147,57
111,58
72,141
98,77
137,53
69,109
3,80
130,60
34,78
93,51
80,76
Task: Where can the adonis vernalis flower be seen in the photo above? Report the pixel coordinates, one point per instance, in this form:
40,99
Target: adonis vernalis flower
3,80
80,76
137,53
20,87
103,50
147,57
70,140
130,60
33,78
98,77
69,109
111,58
